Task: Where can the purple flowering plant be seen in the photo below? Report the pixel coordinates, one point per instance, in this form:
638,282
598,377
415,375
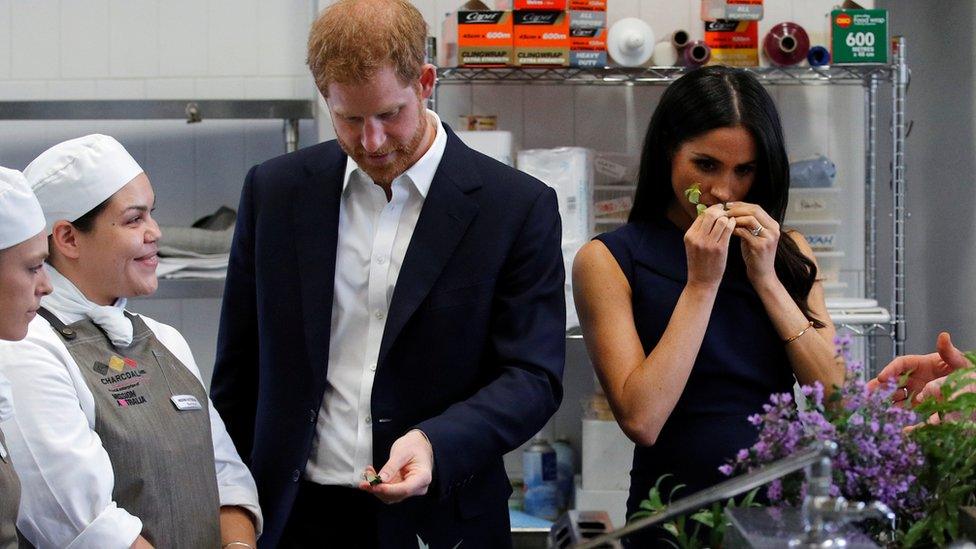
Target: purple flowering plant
923,473
920,462
876,458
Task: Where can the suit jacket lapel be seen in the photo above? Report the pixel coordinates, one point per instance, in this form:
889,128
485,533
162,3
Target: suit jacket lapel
316,233
445,217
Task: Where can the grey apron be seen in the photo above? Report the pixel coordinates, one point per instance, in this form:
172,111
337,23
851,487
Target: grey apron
152,416
9,499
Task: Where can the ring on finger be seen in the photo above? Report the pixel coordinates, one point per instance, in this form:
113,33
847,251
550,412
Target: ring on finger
757,230
906,392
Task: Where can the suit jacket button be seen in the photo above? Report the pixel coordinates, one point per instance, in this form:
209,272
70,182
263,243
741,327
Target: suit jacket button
296,475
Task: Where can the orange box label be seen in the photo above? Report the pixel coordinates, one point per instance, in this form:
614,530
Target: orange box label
541,38
593,39
540,4
484,38
588,5
734,43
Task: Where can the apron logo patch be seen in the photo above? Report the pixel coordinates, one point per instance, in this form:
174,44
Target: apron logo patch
132,399
122,378
116,363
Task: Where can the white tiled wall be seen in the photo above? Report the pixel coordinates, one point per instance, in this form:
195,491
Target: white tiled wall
160,49
216,49
136,49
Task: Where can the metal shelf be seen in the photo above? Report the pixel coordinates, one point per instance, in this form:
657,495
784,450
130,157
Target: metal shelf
869,77
188,288
290,111
855,75
149,109
869,330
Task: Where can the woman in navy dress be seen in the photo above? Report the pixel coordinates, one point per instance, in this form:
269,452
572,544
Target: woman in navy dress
692,321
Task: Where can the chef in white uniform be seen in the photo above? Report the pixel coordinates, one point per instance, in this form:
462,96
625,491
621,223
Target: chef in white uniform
115,440
23,281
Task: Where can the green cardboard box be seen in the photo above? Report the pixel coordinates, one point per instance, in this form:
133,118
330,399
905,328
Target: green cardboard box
859,36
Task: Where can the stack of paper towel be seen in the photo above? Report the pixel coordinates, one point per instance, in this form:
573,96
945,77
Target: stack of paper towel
568,170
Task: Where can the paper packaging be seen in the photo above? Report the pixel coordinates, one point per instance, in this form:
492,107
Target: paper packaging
736,10
569,171
588,38
496,144
606,457
541,38
590,5
859,36
734,43
557,5
476,36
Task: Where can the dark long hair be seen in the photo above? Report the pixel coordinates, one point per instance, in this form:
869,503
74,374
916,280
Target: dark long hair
722,97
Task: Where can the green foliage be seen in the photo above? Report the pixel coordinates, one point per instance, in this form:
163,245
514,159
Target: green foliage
693,194
949,444
690,531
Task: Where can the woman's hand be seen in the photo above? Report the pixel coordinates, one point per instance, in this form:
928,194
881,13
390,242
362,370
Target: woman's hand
759,234
707,246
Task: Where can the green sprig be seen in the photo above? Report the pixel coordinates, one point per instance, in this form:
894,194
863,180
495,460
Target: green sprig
693,194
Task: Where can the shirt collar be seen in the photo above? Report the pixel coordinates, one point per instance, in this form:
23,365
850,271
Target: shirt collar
421,174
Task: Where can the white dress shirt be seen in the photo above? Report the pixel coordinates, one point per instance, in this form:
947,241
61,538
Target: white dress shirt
373,239
66,474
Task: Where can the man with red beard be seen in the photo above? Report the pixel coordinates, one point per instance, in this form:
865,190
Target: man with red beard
393,314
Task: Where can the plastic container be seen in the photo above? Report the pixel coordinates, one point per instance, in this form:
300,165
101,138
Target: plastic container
565,471
819,171
829,266
822,235
813,204
539,471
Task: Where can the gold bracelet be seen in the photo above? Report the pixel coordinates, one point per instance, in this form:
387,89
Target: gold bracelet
237,544
797,336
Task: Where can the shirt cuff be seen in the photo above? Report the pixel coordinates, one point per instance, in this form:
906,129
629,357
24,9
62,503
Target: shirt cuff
113,527
236,496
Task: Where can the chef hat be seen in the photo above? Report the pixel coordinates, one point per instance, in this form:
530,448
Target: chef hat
20,214
73,177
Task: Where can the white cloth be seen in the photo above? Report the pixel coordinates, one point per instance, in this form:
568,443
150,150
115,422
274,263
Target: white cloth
68,299
6,399
66,474
73,177
20,215
373,239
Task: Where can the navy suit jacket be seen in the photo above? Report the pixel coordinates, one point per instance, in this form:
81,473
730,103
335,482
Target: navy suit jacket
472,351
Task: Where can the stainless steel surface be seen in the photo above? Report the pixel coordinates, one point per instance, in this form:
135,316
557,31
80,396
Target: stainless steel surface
291,134
899,89
724,490
871,205
824,516
850,75
773,528
431,53
150,109
576,527
188,289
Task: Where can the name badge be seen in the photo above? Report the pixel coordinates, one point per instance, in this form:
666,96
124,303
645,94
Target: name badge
185,402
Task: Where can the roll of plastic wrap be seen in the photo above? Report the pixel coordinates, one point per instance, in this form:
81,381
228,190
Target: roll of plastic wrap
630,42
680,39
786,44
664,55
818,56
696,54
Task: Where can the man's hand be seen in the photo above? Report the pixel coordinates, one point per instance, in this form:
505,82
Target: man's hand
408,472
921,369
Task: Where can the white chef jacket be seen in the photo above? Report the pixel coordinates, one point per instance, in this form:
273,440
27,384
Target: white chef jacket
66,475
373,239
